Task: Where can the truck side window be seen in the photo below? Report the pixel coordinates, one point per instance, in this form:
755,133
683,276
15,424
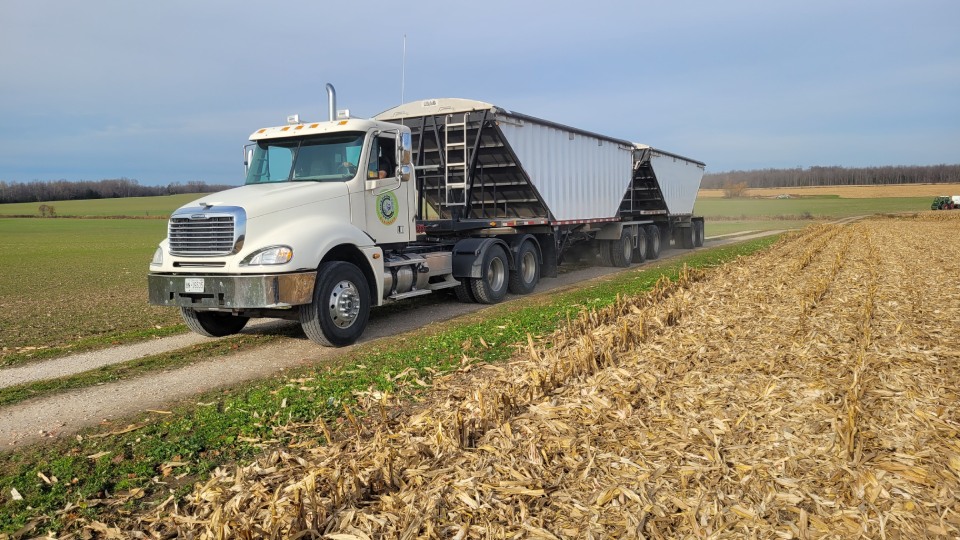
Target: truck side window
381,162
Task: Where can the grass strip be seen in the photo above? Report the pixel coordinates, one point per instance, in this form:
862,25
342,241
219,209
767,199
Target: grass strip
90,344
133,368
161,454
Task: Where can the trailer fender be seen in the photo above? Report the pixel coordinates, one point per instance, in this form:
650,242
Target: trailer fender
610,231
613,231
468,256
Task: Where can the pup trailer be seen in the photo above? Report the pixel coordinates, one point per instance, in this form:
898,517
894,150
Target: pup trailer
339,216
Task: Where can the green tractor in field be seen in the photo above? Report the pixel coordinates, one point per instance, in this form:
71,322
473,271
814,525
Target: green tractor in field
945,202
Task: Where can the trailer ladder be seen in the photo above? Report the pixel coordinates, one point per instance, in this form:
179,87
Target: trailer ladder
455,156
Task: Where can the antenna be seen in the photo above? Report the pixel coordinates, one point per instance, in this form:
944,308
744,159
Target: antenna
403,68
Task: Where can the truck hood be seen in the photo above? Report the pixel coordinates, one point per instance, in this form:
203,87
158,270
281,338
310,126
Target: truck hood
261,199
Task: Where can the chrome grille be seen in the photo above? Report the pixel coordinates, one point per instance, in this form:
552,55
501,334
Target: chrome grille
194,233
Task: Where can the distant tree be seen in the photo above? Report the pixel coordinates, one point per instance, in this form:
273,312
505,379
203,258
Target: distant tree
62,190
733,190
834,176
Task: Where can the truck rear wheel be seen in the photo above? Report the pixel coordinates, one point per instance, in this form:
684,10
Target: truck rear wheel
525,279
464,291
212,323
653,242
621,251
686,236
338,314
698,234
491,286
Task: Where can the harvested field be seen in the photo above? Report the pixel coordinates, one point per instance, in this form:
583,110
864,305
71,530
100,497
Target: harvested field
806,392
848,192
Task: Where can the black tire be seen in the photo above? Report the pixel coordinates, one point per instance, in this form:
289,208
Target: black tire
464,291
686,236
640,250
340,309
653,242
664,237
491,287
621,251
527,275
212,323
698,235
603,247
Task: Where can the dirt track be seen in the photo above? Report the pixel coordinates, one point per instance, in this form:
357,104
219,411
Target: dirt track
108,404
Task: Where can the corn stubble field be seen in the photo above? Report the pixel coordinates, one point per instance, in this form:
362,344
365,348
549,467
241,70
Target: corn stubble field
809,391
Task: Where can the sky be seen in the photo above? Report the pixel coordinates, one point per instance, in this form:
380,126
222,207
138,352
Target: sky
163,92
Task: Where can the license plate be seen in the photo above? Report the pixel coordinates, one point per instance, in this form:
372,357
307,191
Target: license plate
193,285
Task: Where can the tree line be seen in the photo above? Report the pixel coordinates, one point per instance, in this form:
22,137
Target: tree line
834,176
63,190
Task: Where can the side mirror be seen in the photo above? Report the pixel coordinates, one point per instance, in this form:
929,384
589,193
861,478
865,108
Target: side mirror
247,157
405,172
405,149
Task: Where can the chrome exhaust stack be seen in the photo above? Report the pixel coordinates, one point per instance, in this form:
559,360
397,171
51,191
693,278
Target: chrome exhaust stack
331,102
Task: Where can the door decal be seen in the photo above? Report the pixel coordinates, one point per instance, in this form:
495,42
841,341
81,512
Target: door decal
387,207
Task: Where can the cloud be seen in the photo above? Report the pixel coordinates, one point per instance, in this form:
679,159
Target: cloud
168,91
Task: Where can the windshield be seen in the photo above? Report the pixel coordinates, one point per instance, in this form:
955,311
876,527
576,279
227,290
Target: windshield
326,158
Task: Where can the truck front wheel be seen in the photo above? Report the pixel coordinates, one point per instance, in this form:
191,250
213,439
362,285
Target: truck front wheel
212,323
491,286
338,314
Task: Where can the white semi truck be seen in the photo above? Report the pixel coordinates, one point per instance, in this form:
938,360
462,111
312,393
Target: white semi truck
338,216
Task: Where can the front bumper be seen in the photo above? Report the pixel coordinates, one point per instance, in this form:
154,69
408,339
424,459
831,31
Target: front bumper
214,291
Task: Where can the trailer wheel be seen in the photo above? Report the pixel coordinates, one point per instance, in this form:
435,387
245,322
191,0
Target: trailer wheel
640,250
525,279
212,323
653,242
697,234
621,251
491,287
603,246
687,235
664,237
338,314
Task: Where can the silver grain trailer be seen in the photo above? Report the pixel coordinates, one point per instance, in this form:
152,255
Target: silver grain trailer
485,170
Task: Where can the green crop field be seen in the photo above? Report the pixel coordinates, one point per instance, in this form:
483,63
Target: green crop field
132,206
727,216
723,227
819,208
68,279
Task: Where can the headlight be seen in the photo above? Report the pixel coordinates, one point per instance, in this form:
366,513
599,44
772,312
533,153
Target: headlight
270,255
157,257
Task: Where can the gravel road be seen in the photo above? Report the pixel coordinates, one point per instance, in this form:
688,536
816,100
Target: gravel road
110,404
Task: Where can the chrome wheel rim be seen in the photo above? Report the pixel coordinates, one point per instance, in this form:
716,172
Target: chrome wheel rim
344,304
495,274
528,267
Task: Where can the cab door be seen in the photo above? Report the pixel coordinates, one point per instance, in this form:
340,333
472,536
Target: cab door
388,210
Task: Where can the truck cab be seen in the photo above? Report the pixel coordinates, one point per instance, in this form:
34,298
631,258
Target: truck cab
320,205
